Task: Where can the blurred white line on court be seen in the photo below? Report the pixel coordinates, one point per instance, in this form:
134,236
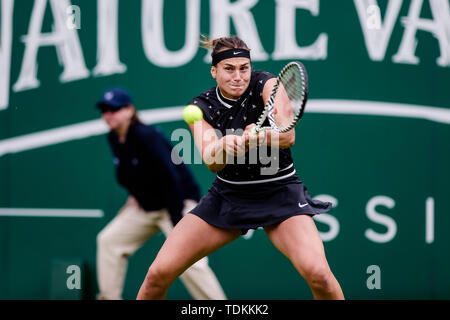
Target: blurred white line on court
51,213
80,131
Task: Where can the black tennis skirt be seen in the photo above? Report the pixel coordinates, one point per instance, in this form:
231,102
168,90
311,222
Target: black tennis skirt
245,207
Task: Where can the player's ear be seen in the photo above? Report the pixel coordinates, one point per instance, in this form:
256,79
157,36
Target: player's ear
213,71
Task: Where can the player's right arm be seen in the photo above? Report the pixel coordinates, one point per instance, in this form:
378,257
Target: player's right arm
213,149
282,140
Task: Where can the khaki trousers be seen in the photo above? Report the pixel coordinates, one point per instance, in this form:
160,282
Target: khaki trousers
126,233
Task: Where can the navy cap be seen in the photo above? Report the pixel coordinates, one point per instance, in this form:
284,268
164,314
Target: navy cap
116,98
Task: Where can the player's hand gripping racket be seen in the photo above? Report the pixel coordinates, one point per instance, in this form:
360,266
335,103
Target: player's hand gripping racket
287,101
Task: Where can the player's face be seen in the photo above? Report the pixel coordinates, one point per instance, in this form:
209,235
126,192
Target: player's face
119,118
232,76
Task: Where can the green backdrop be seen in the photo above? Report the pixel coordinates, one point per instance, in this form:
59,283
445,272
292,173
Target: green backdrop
375,137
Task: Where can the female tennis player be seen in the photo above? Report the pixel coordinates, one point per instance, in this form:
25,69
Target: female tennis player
243,196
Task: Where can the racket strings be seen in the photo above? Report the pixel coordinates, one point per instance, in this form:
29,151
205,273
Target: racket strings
290,96
287,100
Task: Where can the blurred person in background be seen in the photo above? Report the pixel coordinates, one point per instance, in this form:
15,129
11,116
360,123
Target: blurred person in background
160,193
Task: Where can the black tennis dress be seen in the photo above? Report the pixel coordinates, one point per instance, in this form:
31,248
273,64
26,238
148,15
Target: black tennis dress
260,188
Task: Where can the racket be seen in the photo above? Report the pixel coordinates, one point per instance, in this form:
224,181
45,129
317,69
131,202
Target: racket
287,101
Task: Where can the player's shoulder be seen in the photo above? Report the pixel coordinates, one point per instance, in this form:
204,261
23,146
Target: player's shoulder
258,75
205,99
259,79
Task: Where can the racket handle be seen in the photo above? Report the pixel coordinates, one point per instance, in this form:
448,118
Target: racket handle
256,130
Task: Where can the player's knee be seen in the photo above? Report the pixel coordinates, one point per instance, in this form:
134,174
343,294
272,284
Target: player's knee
319,278
158,276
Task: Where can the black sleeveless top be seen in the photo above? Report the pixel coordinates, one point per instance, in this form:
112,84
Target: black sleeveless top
261,164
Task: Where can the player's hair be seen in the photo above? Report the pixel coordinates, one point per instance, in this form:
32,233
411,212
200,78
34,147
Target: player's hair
223,43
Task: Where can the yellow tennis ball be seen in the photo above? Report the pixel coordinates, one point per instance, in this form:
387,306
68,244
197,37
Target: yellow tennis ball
192,114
